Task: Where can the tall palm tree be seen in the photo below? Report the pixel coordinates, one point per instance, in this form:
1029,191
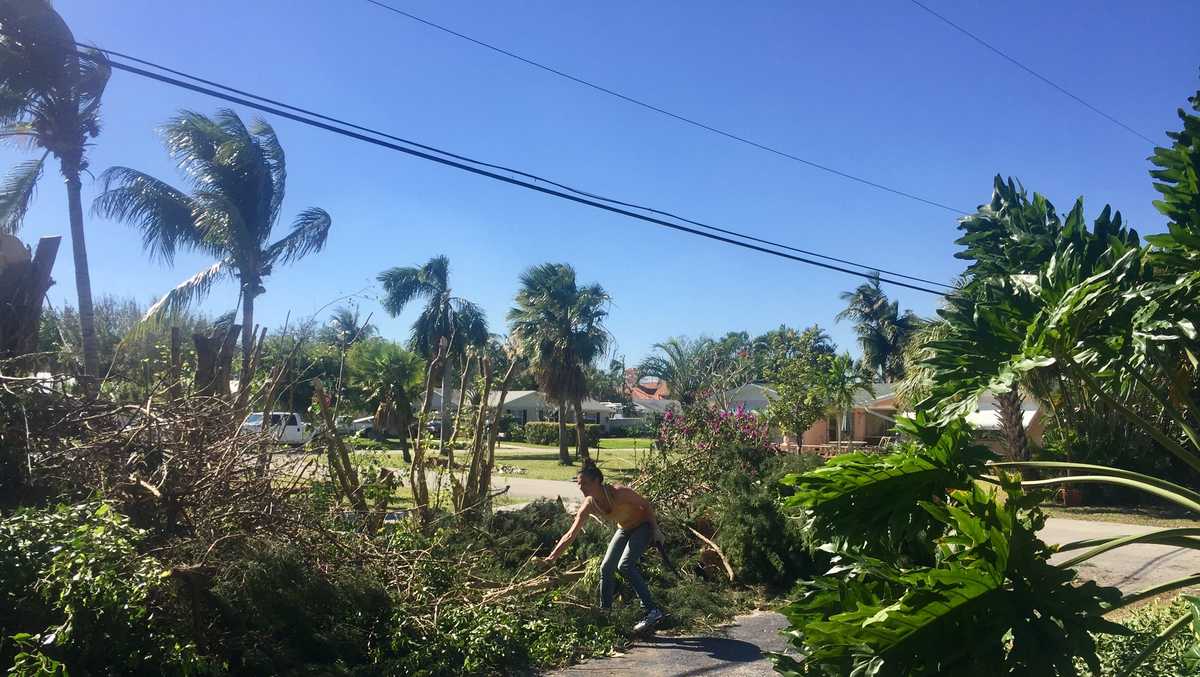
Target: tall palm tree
686,365
238,176
50,99
559,327
882,329
445,315
845,379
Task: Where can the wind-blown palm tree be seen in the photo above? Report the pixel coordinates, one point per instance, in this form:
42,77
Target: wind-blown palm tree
686,365
50,99
445,315
238,176
559,327
842,382
882,329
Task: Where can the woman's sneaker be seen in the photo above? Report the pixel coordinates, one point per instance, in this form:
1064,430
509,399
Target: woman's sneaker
650,621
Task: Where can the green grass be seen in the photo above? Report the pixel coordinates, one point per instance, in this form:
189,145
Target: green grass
542,463
625,442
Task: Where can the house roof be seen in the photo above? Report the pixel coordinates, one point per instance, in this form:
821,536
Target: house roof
645,387
656,406
532,399
883,398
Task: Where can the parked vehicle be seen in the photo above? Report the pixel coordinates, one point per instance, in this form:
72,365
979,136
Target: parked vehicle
286,427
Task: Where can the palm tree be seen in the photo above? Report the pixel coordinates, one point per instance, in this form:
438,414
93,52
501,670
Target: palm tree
343,331
390,378
559,328
445,315
686,365
238,176
845,379
50,99
882,329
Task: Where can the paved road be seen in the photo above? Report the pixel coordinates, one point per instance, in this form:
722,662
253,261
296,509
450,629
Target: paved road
737,650
1131,568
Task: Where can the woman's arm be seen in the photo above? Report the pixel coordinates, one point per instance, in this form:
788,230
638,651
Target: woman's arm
584,510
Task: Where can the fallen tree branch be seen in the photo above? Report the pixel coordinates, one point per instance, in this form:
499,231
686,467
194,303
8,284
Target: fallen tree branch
716,549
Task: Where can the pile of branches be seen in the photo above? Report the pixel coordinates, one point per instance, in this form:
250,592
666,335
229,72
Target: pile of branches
175,465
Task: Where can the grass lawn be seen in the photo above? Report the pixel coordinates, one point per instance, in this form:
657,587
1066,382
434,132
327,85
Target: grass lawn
625,442
542,462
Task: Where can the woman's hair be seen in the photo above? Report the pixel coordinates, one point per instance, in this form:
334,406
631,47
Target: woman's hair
591,470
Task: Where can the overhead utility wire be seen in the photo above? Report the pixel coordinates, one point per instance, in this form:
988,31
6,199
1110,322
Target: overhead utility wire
535,177
1032,72
662,111
500,177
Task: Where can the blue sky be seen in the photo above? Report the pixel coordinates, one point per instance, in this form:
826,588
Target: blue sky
880,89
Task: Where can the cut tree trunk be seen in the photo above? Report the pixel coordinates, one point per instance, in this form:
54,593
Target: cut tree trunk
83,279
214,358
581,441
23,285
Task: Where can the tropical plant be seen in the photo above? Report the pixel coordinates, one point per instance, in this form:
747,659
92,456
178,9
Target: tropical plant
559,328
388,377
445,316
50,99
798,379
696,370
238,176
882,329
344,329
841,383
1102,318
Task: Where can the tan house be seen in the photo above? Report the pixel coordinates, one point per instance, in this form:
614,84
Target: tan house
869,421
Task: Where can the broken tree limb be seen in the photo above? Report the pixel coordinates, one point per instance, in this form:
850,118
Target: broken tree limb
717,549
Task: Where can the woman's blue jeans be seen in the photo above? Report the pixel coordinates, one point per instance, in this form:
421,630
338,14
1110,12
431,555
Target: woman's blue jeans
624,551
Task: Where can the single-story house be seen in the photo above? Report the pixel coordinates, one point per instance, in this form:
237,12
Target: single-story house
656,406
531,405
751,397
868,421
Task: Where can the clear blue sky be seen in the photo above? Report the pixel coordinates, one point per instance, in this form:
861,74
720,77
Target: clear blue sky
877,88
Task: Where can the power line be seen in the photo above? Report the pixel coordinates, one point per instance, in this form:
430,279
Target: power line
1032,72
535,177
662,111
274,110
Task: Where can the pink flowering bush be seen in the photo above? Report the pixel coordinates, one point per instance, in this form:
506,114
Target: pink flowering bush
713,429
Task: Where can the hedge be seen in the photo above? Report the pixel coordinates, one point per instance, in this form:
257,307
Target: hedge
546,432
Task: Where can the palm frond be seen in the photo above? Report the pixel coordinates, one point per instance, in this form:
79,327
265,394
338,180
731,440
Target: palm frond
16,193
187,292
402,284
162,213
308,235
272,152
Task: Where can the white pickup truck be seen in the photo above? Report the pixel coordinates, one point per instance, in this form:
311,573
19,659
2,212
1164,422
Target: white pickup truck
286,427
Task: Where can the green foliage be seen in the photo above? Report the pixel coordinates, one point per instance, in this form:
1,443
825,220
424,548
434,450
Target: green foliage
546,432
871,503
764,546
279,614
989,586
76,594
1175,657
797,373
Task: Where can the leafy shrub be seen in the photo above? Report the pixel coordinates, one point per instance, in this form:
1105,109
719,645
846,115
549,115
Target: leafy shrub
763,544
280,613
1116,651
546,432
75,594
